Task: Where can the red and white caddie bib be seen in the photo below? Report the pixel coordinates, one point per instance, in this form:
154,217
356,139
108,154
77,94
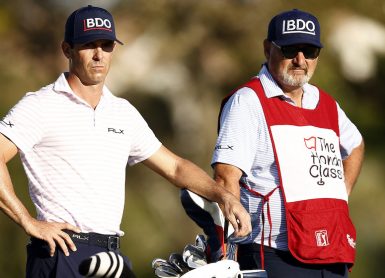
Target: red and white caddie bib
307,153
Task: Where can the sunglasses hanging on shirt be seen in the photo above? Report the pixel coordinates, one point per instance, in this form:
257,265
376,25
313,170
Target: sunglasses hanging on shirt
291,51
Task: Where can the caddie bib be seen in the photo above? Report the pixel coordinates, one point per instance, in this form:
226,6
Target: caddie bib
307,153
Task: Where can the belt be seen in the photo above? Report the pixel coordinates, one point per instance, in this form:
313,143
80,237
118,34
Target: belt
111,242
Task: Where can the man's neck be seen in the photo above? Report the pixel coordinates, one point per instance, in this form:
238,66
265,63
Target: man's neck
295,94
89,93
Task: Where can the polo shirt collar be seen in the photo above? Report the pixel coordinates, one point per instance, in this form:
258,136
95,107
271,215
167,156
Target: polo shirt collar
310,93
61,85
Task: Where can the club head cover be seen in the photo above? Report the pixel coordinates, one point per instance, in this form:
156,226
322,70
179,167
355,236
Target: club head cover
208,216
105,264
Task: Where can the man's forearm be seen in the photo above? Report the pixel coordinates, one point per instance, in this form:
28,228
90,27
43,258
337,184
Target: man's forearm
185,174
10,204
352,167
201,183
228,176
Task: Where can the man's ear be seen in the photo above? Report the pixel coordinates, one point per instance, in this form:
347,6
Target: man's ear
266,48
66,48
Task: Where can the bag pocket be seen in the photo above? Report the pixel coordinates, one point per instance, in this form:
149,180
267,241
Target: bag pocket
324,235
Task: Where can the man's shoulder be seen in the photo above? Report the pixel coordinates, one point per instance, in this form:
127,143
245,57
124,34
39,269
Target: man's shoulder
120,102
244,94
122,106
243,100
39,95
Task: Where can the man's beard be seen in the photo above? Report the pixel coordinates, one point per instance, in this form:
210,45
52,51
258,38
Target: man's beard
295,81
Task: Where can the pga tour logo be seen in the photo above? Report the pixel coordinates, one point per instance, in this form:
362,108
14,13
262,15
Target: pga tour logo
298,26
321,237
97,23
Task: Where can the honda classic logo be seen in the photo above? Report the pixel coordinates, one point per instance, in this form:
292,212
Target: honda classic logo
325,159
97,23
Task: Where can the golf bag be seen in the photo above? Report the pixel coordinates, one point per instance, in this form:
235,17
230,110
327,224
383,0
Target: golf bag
212,256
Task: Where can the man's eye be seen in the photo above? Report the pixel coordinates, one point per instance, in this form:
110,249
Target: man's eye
88,45
108,46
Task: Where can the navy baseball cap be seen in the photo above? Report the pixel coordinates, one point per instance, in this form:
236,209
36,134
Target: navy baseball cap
294,27
89,24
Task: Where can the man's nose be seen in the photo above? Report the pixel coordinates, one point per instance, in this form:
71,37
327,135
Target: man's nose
299,58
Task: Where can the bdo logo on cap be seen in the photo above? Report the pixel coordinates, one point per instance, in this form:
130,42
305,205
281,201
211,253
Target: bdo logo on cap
298,26
97,23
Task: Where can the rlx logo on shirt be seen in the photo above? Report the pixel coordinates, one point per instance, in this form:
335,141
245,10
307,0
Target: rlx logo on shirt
221,147
117,131
8,124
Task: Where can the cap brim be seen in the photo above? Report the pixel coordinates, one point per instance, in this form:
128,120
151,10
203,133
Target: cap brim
95,37
287,42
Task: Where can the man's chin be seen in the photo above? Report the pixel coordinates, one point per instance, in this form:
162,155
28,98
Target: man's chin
295,80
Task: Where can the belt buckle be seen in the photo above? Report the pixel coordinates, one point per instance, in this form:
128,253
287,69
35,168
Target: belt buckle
113,242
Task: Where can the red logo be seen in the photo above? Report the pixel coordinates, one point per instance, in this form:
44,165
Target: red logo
310,143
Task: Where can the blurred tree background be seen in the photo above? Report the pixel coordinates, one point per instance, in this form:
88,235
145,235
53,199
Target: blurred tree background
178,61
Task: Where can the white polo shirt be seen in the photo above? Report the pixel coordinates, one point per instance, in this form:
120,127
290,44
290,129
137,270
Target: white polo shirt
75,157
244,142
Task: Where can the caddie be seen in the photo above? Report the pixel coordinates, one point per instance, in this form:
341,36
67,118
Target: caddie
289,152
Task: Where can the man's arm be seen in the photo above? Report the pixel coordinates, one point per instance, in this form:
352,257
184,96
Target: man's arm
11,205
228,176
352,166
184,174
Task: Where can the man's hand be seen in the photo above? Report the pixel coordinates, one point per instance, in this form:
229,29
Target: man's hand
237,215
53,234
227,176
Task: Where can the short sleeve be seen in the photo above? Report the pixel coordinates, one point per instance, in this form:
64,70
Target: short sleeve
144,141
24,123
238,131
